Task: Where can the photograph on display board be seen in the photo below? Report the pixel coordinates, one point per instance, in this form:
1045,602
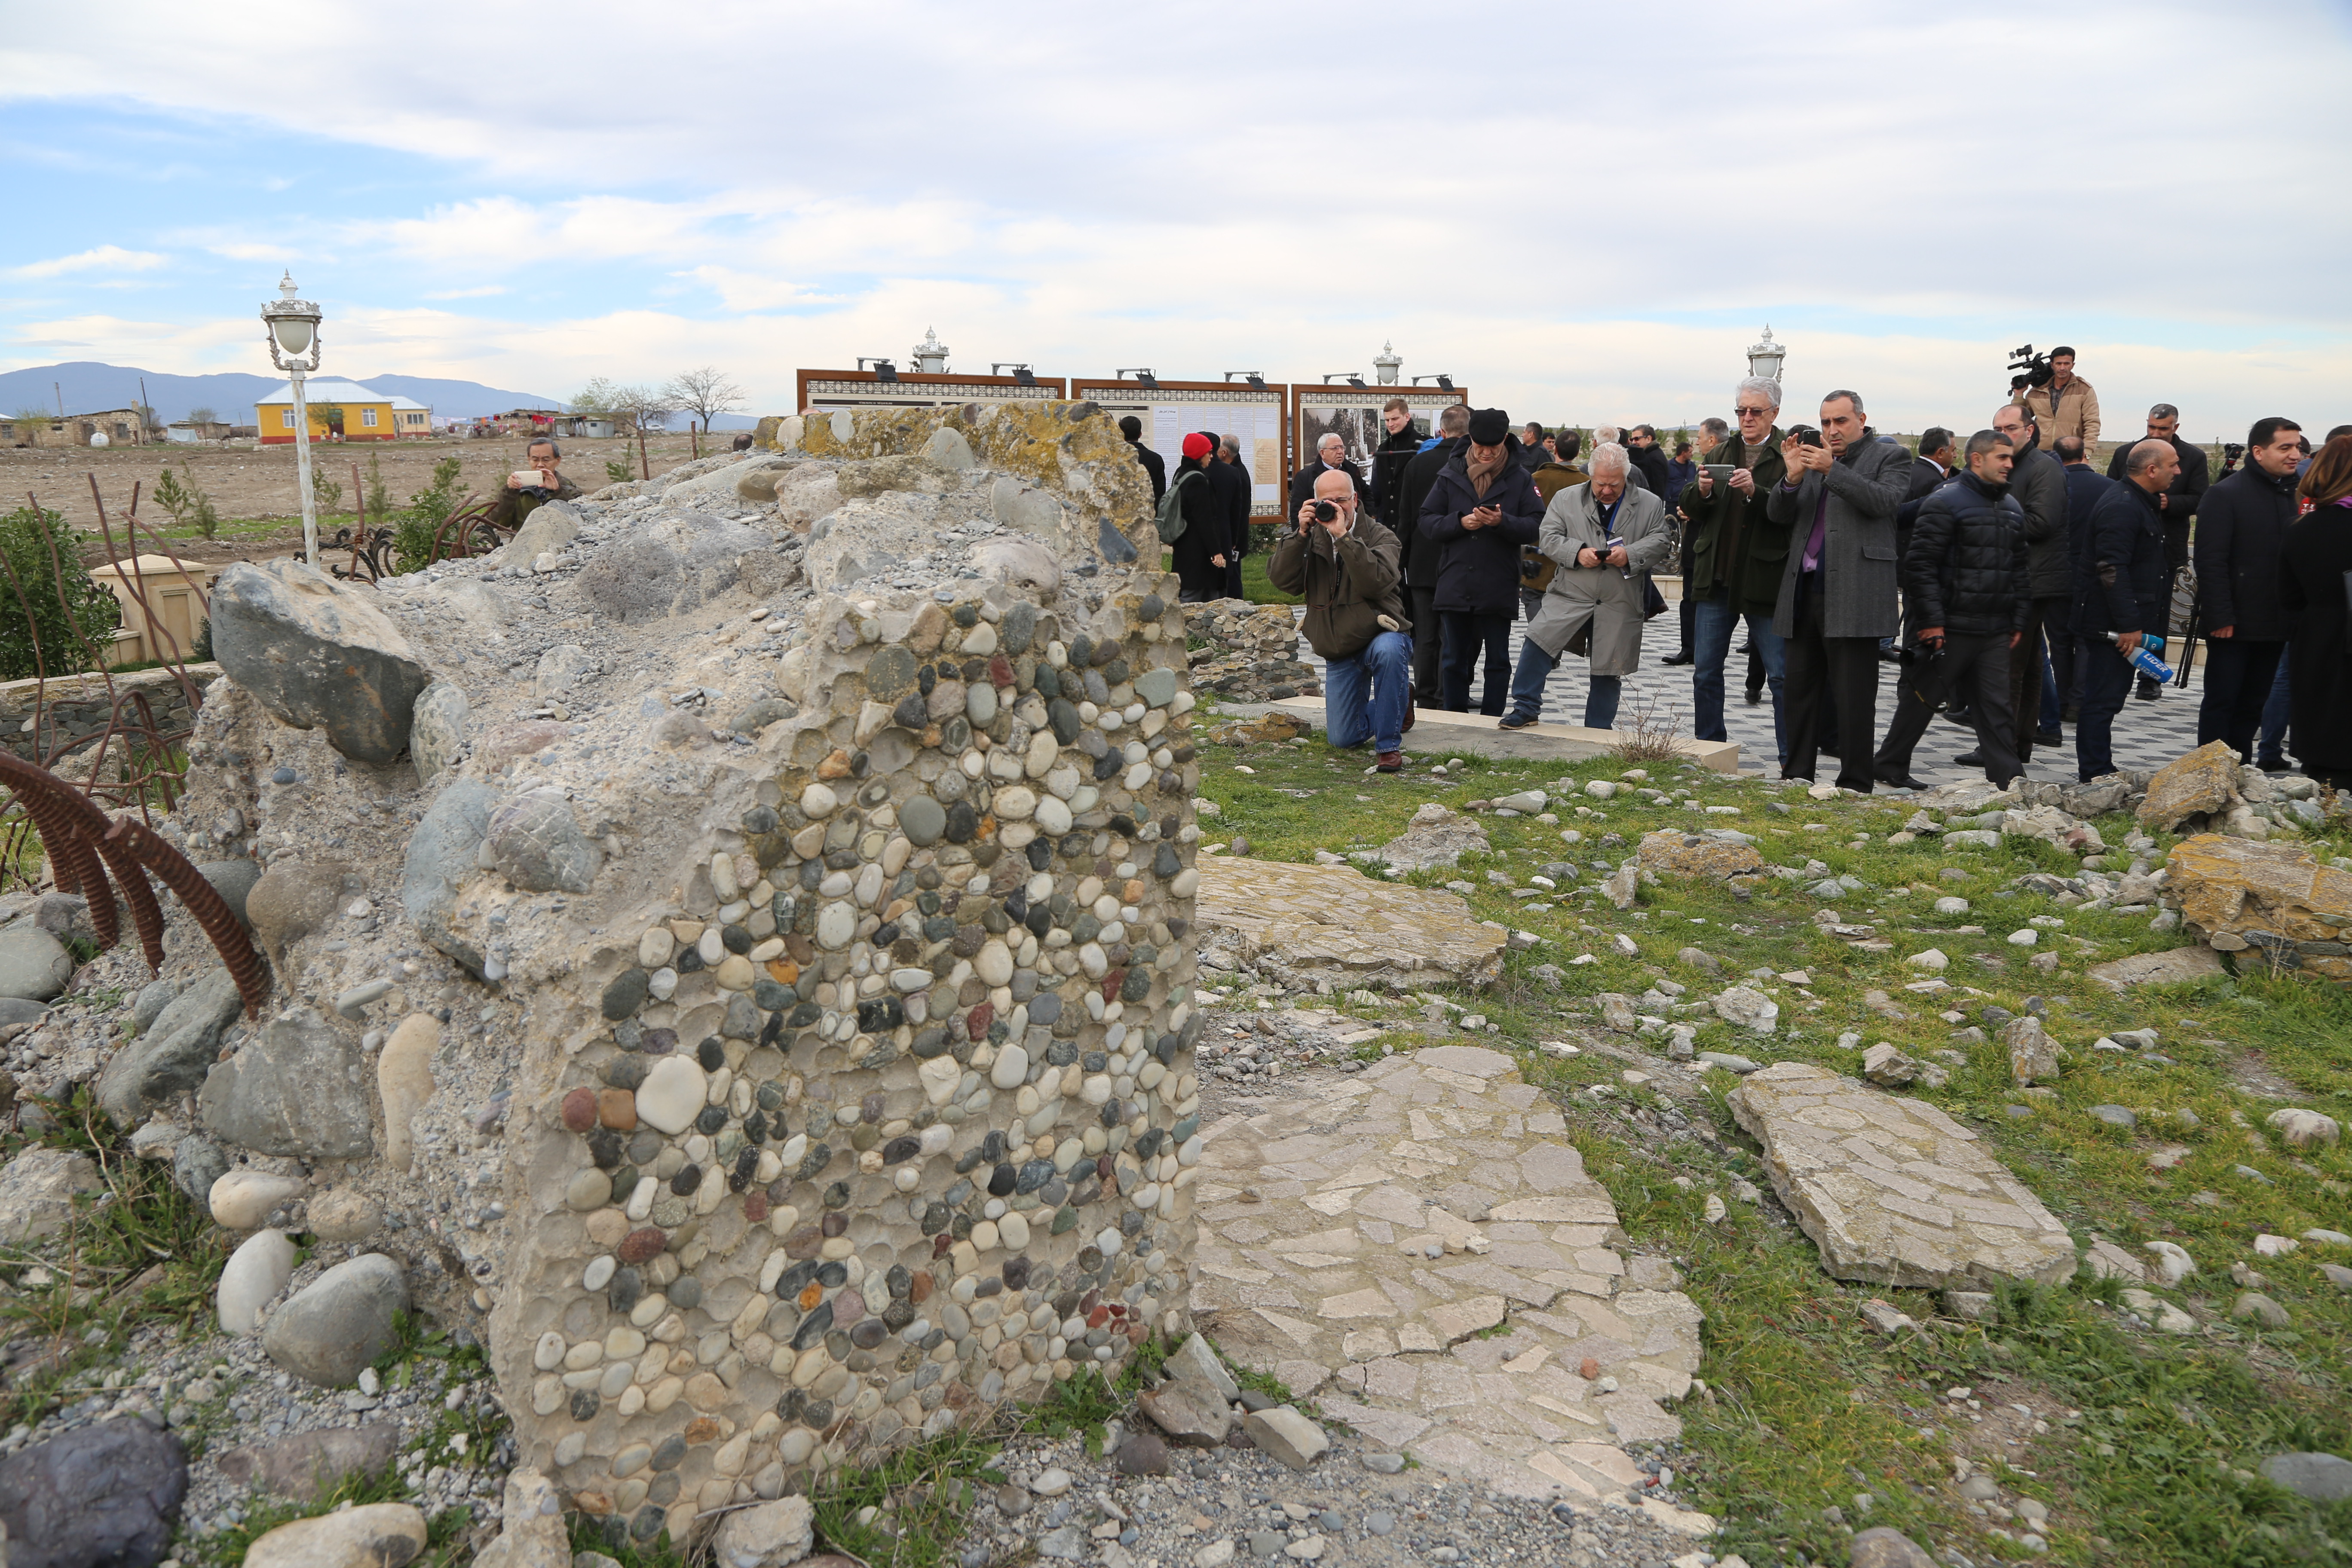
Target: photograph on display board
1360,425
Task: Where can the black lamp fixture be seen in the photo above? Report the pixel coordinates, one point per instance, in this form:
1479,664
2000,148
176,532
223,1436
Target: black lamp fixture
883,369
1350,376
1445,383
1143,377
1021,372
1256,379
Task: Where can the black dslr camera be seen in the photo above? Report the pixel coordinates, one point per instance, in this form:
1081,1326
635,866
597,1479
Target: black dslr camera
1325,511
2033,368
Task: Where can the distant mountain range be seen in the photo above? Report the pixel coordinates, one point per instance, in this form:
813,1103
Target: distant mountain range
88,387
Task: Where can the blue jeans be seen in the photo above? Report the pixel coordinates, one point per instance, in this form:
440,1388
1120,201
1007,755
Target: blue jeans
1364,697
1536,666
2106,683
1711,642
2277,713
1460,636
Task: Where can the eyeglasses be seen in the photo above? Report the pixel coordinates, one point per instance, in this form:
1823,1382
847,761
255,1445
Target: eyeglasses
1753,412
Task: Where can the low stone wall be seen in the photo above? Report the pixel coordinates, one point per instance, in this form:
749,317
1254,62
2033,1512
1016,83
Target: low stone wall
74,709
1242,652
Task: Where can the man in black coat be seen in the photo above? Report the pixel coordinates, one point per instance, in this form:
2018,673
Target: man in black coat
1396,449
1421,554
2084,487
1233,481
2242,526
1330,452
2177,507
1965,582
1657,469
2037,480
2119,588
1481,509
1153,463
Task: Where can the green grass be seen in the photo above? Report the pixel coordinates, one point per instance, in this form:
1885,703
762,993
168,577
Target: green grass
1256,588
1808,1405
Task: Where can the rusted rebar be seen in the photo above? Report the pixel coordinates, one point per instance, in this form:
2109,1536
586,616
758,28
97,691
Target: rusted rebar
205,902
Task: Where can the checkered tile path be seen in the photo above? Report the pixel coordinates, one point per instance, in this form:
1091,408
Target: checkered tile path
2146,734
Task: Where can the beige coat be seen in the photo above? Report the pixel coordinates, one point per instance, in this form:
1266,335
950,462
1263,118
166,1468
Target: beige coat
1607,597
2077,412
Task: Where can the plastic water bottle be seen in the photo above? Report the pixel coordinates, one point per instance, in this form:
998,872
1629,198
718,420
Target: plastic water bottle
2143,658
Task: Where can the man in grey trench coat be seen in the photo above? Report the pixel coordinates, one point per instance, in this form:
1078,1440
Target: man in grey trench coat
1837,591
1607,537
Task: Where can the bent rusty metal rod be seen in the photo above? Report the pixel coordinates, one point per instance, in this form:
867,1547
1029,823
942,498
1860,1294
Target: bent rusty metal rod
204,901
84,825
71,857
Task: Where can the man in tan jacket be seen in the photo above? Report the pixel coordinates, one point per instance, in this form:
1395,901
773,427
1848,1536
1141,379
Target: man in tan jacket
2064,404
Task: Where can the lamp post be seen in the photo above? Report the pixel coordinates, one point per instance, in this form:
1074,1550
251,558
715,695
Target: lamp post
293,338
1764,357
1386,363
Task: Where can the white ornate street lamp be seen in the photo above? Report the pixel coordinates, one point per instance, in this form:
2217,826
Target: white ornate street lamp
1386,363
1764,357
293,339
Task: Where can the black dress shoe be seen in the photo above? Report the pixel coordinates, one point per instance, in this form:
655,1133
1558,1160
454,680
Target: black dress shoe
1515,721
2149,688
1965,718
2048,738
1743,647
1754,697
1969,760
1684,657
1904,780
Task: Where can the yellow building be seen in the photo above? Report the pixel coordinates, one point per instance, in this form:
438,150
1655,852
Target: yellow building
343,410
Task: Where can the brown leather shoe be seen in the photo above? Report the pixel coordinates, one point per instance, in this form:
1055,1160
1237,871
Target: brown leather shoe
1391,761
1408,713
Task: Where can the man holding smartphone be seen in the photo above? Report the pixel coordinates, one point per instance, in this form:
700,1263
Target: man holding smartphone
1481,509
528,490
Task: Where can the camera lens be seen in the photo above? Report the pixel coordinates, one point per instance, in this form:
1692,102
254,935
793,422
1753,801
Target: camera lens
1325,511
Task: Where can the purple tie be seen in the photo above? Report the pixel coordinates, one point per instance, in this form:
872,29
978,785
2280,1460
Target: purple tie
1812,562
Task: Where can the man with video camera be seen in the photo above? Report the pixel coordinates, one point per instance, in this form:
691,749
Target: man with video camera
2062,402
1345,566
1966,581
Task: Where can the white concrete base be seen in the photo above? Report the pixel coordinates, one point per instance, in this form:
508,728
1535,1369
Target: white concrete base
1435,730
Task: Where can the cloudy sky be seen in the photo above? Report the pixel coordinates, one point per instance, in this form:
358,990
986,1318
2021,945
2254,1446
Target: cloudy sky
1583,214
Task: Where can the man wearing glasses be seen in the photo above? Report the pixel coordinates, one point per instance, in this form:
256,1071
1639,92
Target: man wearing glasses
1737,555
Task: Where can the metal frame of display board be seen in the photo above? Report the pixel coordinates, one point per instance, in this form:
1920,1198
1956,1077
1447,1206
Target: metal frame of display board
1118,396
863,389
1366,435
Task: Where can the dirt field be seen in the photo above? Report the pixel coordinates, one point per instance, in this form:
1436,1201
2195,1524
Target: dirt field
254,486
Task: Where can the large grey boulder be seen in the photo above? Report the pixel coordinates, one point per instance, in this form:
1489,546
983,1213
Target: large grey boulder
340,1322
233,881
33,964
442,853
550,526
2322,1478
108,1494
173,1057
37,1190
305,1466
319,655
668,567
535,842
298,1088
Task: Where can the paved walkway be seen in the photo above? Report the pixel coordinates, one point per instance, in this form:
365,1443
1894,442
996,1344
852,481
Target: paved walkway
2146,735
1419,1247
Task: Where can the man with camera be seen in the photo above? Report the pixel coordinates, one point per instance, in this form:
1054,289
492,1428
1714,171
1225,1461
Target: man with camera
1734,553
2178,506
2240,533
1604,536
1482,508
2118,589
1345,566
528,490
1837,588
1966,582
2061,401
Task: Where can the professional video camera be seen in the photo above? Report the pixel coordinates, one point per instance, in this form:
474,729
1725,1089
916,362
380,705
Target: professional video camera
2035,369
2232,454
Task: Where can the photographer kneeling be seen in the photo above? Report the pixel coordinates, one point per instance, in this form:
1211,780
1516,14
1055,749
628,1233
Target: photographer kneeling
1345,567
1606,538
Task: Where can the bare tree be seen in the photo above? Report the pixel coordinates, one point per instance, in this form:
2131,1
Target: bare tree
706,394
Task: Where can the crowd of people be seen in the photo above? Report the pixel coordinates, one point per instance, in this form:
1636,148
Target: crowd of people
2012,587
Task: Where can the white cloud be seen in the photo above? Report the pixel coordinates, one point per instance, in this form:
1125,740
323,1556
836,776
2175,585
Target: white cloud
105,259
483,291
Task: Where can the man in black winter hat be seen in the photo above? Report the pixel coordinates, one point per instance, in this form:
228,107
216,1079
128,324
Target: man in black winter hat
1481,509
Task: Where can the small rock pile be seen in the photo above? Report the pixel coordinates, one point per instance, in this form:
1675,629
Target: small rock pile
1242,652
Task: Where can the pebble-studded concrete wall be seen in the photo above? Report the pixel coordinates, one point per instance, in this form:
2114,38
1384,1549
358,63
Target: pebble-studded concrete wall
891,1116
72,709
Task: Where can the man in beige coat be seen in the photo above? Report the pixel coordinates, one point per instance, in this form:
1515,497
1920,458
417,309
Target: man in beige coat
2064,404
1607,537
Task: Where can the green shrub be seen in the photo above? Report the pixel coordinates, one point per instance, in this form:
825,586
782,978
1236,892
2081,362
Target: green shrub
53,618
188,506
413,525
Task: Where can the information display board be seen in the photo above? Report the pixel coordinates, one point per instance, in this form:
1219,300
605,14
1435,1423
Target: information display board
1256,416
1353,414
863,389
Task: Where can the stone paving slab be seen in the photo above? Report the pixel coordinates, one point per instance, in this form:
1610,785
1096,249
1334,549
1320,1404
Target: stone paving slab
1336,919
1893,1191
1420,1247
1436,729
